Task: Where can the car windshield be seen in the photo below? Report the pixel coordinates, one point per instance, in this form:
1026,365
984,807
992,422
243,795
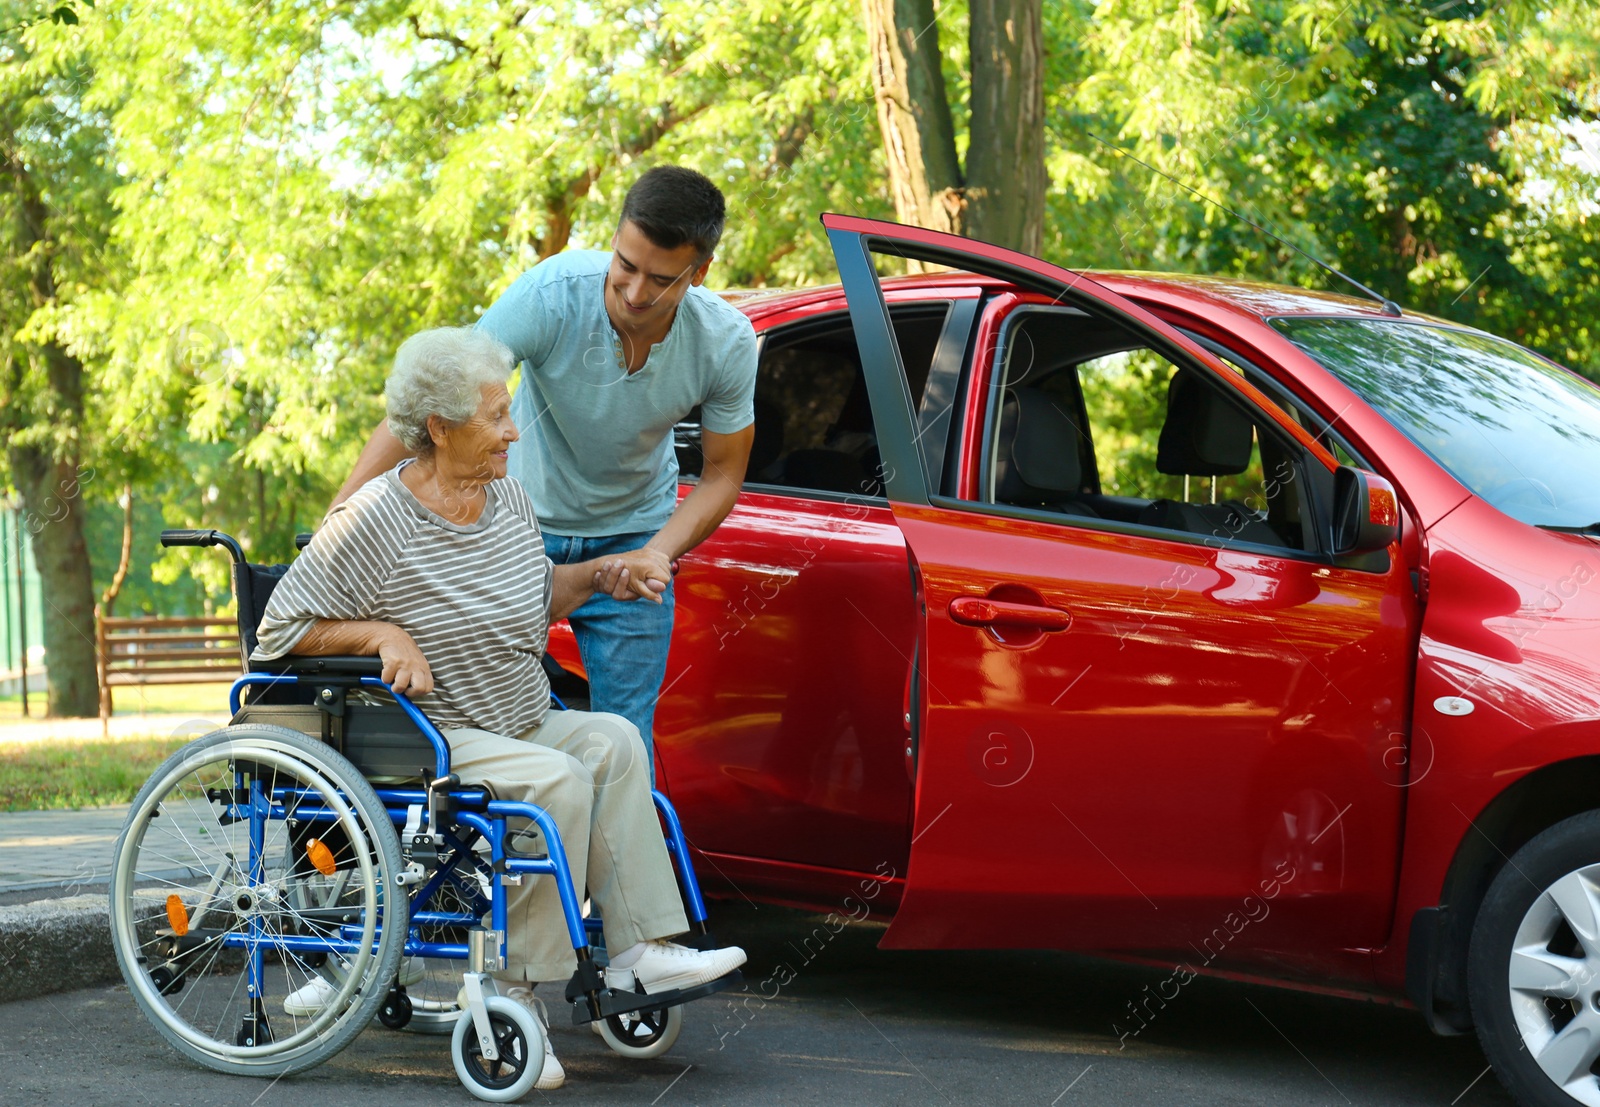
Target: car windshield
1518,431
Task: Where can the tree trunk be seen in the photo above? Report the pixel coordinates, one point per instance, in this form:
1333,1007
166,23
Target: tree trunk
53,515
46,470
914,114
108,598
1006,179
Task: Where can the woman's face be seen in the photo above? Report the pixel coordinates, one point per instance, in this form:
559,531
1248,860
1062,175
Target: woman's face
476,449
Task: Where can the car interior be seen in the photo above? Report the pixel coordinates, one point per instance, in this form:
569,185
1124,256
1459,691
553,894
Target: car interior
1095,423
813,420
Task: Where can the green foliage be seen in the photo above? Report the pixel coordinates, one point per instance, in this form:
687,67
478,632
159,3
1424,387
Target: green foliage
1442,154
252,206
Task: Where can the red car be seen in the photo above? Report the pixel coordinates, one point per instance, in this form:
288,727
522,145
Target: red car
1241,629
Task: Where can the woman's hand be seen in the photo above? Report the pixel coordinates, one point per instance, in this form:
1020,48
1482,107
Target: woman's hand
638,574
404,668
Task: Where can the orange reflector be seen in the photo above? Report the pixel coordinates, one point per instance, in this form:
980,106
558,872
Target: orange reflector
321,856
177,916
1382,509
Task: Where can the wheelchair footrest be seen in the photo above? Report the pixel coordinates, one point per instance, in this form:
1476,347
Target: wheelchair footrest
626,1003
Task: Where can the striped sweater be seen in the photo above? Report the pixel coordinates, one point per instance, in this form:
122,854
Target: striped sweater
475,598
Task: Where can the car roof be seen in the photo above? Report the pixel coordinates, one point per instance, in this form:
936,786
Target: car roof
1245,297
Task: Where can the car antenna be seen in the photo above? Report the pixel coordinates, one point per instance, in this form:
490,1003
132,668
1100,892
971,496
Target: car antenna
1388,305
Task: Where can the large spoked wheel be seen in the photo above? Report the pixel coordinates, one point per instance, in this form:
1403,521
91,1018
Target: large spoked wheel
1534,968
519,1041
255,864
643,1034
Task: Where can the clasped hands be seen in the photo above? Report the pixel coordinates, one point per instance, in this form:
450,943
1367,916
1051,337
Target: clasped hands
638,574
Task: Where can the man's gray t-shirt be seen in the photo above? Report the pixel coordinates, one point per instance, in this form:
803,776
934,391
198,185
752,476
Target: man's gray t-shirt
596,449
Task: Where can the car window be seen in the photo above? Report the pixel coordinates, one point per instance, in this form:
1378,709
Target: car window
1090,422
813,421
1517,430
1314,425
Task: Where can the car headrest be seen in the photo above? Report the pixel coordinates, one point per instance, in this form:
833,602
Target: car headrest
1204,435
1038,460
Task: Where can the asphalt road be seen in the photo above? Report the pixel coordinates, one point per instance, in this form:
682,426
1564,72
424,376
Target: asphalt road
845,1023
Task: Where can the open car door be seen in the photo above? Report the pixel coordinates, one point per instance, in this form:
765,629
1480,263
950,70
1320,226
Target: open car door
1148,721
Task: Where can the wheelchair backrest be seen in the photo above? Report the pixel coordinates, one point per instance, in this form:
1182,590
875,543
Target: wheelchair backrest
252,587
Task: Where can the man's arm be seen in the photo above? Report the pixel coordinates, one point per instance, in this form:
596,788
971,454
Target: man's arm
703,509
382,452
625,576
404,667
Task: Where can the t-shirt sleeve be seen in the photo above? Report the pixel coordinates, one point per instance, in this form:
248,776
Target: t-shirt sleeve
730,405
336,577
521,318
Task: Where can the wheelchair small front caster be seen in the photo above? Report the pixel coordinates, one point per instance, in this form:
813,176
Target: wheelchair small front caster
642,1035
518,1041
396,1010
166,981
254,1031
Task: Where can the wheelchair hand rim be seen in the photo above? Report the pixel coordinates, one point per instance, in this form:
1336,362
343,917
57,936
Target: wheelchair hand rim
260,750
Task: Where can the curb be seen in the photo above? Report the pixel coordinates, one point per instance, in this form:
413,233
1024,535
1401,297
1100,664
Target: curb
55,945
61,945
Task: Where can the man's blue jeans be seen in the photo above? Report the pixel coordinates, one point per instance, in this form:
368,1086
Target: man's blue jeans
624,643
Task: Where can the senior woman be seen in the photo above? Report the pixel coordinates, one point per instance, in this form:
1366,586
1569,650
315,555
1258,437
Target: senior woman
438,567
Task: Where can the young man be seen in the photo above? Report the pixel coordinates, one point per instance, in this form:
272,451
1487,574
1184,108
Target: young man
617,348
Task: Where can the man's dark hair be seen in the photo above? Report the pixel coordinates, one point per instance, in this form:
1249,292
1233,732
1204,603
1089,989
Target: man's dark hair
673,206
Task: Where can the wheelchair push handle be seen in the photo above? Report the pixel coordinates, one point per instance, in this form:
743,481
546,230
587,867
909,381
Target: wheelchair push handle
193,537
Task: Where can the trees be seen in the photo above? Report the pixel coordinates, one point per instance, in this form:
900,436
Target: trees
1436,151
216,226
54,213
999,194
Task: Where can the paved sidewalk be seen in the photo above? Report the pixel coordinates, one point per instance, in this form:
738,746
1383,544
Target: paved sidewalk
53,853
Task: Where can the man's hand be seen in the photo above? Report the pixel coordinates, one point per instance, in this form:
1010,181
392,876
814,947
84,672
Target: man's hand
638,574
404,668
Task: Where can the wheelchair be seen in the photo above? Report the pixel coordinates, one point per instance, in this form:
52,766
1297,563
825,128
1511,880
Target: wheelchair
322,833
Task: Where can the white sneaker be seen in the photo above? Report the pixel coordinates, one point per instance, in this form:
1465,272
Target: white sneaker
552,1075
664,966
319,991
311,997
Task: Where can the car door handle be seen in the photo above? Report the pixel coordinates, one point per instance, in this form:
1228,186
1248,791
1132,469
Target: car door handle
981,611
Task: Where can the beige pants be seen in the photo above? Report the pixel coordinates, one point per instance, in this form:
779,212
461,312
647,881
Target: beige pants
589,771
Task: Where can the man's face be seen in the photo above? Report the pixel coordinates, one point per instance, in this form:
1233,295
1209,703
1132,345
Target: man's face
646,283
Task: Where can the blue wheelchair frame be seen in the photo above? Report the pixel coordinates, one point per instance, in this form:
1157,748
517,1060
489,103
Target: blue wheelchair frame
485,819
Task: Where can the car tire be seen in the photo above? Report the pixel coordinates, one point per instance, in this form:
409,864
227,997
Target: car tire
1533,968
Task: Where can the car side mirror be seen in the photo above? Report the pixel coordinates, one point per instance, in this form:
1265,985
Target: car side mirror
1366,512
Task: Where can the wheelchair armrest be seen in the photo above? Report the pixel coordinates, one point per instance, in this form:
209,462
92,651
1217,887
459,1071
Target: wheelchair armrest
332,665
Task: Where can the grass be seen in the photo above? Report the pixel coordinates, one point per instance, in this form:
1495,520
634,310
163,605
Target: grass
50,775
150,699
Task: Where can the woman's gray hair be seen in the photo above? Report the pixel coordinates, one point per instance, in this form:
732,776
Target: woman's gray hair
441,372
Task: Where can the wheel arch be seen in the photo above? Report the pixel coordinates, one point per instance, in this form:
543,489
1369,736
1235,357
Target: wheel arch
1436,959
